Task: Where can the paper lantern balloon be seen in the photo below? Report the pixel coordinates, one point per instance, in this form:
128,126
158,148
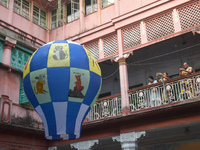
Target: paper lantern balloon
62,81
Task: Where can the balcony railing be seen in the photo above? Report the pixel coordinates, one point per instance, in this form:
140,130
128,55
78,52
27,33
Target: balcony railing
178,89
105,107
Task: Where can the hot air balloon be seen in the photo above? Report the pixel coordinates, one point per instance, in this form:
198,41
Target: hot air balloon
62,81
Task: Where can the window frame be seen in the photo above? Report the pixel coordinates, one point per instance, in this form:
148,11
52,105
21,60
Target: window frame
7,3
73,10
22,8
58,24
92,6
39,16
107,3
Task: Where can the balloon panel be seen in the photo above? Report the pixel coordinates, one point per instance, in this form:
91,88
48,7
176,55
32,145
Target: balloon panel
62,81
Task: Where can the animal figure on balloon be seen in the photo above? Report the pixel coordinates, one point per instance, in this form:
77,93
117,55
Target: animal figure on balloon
39,85
77,89
59,53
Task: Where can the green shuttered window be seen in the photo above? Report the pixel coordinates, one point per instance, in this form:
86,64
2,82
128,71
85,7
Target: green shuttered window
19,57
22,96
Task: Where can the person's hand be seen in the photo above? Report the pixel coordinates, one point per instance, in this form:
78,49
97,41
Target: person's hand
182,69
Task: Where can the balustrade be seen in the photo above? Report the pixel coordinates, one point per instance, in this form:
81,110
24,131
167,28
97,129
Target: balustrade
149,96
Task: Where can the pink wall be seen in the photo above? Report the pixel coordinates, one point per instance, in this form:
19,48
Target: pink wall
38,32
91,21
19,112
107,14
3,13
13,84
21,22
131,5
70,29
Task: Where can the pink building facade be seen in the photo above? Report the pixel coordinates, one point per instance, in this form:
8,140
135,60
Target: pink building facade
131,40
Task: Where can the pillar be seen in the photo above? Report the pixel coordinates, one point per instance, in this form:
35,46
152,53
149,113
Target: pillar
85,145
129,141
123,73
8,45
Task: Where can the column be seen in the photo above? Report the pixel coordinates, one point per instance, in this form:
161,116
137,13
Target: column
129,141
85,145
8,45
123,73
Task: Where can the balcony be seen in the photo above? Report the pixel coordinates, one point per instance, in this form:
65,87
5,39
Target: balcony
179,91
173,92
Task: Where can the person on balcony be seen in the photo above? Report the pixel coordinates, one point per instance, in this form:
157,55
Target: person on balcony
187,70
164,77
154,94
188,84
151,80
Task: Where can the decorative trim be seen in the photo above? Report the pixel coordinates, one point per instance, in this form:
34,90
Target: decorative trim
85,145
116,138
119,59
9,43
132,136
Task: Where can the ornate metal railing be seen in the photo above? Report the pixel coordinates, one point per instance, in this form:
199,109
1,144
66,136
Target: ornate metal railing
178,89
105,107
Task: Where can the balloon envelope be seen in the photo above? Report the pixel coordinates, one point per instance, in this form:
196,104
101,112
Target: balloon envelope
62,81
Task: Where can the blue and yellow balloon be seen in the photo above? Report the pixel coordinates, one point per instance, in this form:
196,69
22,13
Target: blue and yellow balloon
62,81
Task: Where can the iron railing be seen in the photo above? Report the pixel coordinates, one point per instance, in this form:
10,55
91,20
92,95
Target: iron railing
178,89
172,91
104,108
